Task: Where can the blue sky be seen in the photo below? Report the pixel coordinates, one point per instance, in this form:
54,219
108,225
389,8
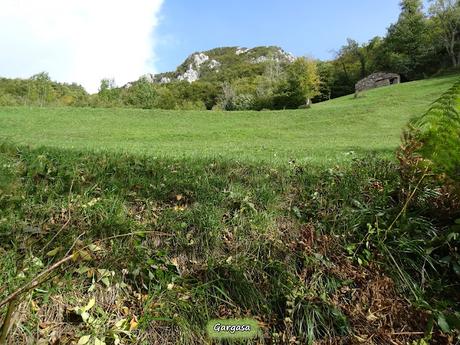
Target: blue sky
302,27
85,41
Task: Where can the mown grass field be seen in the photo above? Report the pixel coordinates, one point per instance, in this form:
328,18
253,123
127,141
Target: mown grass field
331,131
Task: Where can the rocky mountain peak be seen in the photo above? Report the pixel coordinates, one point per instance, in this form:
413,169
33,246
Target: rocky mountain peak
207,64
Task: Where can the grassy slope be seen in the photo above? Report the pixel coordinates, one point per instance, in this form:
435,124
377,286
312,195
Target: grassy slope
303,249
327,132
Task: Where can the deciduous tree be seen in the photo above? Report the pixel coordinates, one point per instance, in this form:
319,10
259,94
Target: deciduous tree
407,41
303,80
446,15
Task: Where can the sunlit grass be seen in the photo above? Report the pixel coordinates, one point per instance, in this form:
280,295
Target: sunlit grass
331,131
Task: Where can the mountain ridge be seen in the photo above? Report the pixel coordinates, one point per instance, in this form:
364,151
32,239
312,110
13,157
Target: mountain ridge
215,64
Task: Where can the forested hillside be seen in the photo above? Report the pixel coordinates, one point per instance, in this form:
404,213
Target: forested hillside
422,43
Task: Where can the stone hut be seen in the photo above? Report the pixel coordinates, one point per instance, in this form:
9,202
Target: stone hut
378,79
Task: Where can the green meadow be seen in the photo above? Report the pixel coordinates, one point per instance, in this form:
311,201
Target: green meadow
329,132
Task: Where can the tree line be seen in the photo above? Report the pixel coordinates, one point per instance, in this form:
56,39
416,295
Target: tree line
40,90
422,43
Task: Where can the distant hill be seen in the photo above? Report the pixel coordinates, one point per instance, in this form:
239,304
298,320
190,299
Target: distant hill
224,64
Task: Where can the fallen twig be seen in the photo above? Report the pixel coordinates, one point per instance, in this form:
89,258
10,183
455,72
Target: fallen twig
7,322
36,281
66,223
407,333
134,233
13,297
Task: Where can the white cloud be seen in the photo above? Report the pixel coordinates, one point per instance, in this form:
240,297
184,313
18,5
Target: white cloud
79,41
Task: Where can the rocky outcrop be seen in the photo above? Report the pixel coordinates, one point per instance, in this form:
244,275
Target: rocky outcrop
286,56
204,64
279,56
240,50
195,62
189,75
213,64
260,59
149,77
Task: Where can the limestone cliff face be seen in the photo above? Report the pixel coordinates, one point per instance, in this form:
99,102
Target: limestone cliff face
194,62
222,63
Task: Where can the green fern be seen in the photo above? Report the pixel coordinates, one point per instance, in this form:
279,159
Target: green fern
439,132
